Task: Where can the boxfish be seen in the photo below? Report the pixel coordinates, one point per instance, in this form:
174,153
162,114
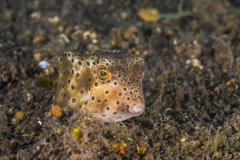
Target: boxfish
106,83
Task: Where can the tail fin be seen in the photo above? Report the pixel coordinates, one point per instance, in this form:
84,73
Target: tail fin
47,81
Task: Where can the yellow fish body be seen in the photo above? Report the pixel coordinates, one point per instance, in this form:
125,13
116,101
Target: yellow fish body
107,83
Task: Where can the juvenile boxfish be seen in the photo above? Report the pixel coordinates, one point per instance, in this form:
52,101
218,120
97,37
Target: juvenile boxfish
107,83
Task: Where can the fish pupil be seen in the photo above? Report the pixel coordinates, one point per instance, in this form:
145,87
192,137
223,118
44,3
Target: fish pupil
103,73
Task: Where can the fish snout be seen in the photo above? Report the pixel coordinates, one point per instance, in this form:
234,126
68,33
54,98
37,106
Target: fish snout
136,106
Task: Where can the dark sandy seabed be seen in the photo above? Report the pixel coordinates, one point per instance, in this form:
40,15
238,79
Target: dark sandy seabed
191,82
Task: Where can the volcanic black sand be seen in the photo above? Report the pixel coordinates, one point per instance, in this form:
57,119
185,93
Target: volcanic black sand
191,50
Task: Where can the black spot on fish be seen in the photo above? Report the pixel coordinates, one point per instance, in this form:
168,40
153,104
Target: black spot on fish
74,100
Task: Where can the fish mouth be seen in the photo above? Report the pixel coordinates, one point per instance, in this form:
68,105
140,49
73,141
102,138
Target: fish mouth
136,109
136,106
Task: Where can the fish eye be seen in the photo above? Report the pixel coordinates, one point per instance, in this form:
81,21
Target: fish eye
103,73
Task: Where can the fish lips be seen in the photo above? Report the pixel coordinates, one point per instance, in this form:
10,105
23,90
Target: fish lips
136,107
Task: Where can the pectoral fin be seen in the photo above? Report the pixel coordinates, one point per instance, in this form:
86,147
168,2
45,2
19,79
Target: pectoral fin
46,81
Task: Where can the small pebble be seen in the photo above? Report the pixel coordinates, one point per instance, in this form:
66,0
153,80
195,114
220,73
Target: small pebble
43,64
